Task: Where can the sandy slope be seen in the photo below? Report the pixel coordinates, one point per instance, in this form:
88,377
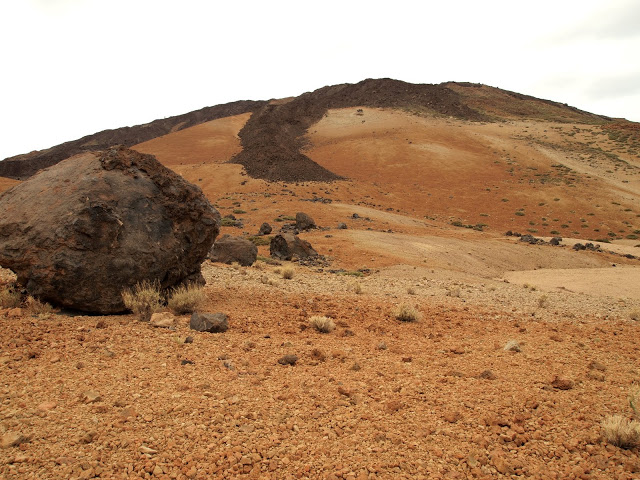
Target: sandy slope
442,400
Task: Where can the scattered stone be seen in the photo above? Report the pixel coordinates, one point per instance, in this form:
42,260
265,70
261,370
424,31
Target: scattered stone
186,361
147,451
46,406
562,383
91,396
453,416
284,246
458,351
228,249
356,367
209,322
342,226
407,359
288,359
593,365
12,439
15,312
381,346
555,241
265,229
188,340
304,221
487,375
162,320
512,346
78,233
394,405
88,437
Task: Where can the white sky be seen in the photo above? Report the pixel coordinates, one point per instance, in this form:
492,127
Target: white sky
70,68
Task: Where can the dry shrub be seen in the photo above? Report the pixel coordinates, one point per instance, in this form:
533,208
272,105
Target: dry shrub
287,273
186,299
322,324
406,313
33,306
453,292
543,301
357,288
143,299
621,431
9,297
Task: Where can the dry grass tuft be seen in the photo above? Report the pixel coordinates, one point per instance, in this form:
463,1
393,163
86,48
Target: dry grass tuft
357,288
621,431
543,301
33,306
322,324
143,299
406,313
9,297
288,273
186,299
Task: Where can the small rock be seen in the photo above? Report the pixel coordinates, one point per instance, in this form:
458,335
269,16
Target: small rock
12,439
394,405
512,346
452,417
304,221
342,226
209,322
458,351
187,362
381,346
562,383
14,312
288,359
487,375
188,340
593,365
46,406
147,451
88,437
407,359
91,396
157,471
162,320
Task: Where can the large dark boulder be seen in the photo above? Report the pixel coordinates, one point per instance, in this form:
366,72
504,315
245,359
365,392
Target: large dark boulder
78,233
286,245
228,249
304,221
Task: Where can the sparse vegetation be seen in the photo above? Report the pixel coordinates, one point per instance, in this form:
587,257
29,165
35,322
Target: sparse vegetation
322,324
406,313
543,301
288,273
9,296
621,431
34,306
143,299
186,299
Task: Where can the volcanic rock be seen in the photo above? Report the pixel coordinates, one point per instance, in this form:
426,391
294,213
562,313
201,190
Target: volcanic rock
209,322
80,232
229,249
265,229
304,221
284,246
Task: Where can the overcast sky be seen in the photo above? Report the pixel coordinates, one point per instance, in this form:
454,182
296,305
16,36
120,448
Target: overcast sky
74,67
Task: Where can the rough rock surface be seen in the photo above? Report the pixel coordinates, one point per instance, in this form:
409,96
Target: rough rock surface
229,249
286,245
80,232
209,322
265,229
304,221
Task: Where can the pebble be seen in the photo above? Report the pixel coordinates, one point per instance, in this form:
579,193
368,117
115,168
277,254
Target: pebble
288,359
12,439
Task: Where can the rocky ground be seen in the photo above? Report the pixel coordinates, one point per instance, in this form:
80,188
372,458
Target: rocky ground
112,397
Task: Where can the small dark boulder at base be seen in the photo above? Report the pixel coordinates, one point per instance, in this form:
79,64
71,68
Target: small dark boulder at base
209,322
80,232
228,249
304,221
265,229
342,226
286,245
555,241
288,359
